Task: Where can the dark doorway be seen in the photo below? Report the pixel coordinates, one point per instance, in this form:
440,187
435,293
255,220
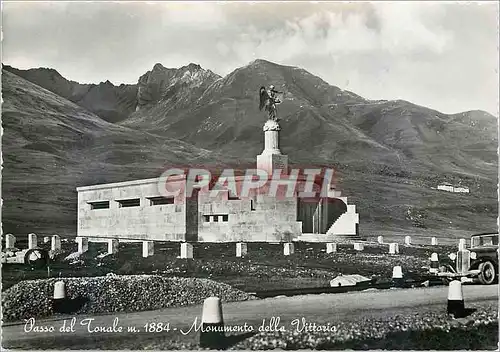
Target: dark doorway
318,216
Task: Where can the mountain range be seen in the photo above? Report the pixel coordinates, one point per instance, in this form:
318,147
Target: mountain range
389,154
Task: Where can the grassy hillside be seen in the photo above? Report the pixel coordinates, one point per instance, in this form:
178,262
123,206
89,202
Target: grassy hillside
51,146
389,154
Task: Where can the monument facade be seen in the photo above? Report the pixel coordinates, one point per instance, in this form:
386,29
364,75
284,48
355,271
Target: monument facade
139,210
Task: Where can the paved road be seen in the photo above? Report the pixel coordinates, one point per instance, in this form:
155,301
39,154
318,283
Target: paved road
320,309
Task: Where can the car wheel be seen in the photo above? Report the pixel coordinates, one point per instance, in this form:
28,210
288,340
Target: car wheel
488,273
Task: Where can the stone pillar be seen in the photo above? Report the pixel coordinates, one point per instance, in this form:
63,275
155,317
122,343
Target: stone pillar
288,248
331,248
186,250
407,240
241,250
271,140
113,246
32,241
462,244
83,244
55,243
434,241
393,248
380,239
10,241
46,239
359,246
148,249
271,158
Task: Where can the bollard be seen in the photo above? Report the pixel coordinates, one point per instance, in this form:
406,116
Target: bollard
59,298
380,239
359,246
434,241
112,246
331,248
212,324
455,299
288,248
55,243
241,250
408,240
462,244
148,249
186,251
10,241
83,244
32,241
393,248
434,269
397,276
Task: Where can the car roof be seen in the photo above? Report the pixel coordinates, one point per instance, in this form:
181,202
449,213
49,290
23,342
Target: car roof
484,234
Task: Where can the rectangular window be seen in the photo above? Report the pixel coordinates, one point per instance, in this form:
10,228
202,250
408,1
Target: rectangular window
206,218
216,218
99,205
225,217
161,200
126,203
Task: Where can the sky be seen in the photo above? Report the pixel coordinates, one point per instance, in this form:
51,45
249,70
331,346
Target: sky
436,54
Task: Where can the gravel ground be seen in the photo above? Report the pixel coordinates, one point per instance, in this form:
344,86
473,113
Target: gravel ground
106,294
264,268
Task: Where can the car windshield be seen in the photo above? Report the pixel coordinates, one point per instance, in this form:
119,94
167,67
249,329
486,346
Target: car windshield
484,240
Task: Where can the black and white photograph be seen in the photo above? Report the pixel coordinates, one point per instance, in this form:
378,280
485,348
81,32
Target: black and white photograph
233,175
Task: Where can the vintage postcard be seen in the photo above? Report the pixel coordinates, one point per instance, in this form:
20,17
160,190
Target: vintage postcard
249,175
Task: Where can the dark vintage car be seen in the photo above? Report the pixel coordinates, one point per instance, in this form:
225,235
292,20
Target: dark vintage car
479,261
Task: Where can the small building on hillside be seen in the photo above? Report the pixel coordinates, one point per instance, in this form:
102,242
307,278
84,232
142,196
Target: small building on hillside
450,188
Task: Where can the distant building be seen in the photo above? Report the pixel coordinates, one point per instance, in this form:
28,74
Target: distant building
453,189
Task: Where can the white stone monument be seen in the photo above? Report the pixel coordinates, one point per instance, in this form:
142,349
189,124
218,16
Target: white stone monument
359,246
186,250
10,241
83,244
408,240
148,249
434,241
397,272
32,241
113,246
331,248
241,250
46,239
380,239
393,248
288,248
55,243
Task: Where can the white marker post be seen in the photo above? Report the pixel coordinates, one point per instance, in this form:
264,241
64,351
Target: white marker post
397,276
393,248
331,248
456,305
212,329
288,248
241,250
434,269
